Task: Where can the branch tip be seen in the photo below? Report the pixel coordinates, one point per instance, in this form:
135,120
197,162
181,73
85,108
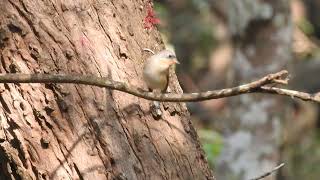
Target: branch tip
269,172
148,50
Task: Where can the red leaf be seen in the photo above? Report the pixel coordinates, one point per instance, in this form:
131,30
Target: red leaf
150,20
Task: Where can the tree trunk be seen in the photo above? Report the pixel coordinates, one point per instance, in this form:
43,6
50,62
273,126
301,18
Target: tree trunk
60,131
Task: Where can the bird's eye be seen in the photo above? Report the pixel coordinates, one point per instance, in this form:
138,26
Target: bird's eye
171,56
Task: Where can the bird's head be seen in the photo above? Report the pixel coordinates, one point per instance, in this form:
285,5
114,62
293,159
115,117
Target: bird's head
167,58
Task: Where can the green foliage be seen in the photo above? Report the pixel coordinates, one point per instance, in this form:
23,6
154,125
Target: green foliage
306,27
161,10
303,159
190,29
212,144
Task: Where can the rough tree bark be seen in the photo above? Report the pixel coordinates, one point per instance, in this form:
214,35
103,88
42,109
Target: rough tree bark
81,132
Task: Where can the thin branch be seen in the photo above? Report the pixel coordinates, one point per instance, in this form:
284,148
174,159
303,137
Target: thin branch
269,172
291,93
148,50
258,86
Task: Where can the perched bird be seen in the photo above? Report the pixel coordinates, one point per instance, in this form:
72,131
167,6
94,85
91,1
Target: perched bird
156,73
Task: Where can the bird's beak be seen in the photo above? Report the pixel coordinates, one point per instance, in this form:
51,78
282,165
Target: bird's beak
171,61
175,61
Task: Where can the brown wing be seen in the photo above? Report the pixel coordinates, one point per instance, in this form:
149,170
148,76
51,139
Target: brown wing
165,89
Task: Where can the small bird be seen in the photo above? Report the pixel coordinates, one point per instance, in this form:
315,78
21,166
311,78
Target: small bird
156,73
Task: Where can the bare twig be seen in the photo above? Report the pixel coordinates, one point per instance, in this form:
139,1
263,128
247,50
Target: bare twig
269,172
291,93
258,86
148,50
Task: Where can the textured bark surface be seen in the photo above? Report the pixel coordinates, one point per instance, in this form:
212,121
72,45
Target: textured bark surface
81,132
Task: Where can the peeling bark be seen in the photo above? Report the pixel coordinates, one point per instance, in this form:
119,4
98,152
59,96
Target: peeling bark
80,132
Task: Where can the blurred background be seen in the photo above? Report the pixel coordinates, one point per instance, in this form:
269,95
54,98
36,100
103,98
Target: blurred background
226,43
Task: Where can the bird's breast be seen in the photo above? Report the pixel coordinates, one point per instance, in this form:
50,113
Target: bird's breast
154,79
